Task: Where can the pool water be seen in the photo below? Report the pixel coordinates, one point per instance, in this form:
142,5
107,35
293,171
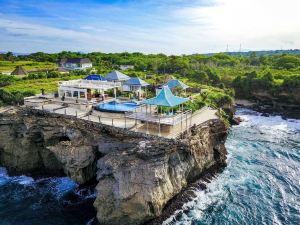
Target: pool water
117,106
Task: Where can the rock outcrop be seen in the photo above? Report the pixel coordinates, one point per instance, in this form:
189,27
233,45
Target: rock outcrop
39,145
135,185
136,174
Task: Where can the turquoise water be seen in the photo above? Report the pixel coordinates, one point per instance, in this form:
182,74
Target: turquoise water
260,186
117,106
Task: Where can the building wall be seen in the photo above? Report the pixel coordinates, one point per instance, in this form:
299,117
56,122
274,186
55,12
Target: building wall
76,66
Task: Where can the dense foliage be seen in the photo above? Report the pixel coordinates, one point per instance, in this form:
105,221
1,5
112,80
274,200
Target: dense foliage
246,74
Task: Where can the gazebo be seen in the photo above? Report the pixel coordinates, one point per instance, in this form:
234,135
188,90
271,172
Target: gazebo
172,84
164,99
117,76
135,84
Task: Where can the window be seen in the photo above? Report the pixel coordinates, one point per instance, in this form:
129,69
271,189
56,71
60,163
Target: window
75,94
82,94
68,94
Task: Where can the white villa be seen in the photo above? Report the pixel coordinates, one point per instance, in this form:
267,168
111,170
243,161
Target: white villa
74,64
93,87
126,67
85,89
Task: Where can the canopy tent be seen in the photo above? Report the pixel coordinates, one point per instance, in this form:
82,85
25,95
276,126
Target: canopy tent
176,83
116,76
135,81
94,77
165,98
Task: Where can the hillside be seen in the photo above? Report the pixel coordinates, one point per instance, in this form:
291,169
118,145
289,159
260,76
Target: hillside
271,79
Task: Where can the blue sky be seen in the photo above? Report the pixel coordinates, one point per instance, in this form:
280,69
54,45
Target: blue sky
153,26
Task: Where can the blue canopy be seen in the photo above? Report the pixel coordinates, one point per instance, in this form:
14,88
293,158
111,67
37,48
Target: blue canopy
165,98
117,76
94,77
176,83
135,81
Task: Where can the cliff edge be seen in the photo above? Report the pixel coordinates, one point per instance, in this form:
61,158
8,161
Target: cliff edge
136,174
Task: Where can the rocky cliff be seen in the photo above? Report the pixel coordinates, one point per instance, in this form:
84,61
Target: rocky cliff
136,174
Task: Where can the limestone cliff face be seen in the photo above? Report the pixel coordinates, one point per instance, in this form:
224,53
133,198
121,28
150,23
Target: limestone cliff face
37,145
135,185
137,174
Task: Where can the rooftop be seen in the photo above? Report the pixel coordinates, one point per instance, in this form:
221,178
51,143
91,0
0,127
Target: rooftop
135,81
88,84
75,60
117,76
166,98
176,83
95,77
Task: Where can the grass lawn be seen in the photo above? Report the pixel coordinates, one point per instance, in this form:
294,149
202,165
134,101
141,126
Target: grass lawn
9,66
49,84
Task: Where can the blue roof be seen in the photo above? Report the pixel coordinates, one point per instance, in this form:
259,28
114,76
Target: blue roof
135,81
165,98
117,76
94,77
176,83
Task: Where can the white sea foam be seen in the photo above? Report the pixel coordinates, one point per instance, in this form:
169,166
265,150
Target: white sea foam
258,156
23,180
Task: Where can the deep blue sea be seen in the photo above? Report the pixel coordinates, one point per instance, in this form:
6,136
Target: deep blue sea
260,186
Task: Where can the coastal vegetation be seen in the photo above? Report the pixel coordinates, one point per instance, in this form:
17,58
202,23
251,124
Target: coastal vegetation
28,65
222,75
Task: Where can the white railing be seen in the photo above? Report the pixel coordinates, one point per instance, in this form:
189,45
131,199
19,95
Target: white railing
161,119
94,84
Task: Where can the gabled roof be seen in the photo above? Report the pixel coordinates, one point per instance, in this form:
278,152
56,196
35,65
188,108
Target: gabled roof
94,77
19,71
176,83
165,98
117,76
135,81
75,60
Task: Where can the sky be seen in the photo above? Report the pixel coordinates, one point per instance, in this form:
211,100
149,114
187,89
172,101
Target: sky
149,26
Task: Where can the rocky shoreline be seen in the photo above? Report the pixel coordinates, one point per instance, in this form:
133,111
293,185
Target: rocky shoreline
288,111
187,194
137,175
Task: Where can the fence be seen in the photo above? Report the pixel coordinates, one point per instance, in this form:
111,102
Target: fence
154,125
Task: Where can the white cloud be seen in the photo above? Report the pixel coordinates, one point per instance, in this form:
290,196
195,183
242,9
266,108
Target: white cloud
257,24
174,29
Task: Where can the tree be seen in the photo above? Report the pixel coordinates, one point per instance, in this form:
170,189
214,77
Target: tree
9,56
287,62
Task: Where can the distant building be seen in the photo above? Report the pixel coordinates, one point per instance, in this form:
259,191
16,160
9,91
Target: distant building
19,71
126,67
75,63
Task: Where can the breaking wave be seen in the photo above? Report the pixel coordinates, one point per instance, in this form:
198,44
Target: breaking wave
261,183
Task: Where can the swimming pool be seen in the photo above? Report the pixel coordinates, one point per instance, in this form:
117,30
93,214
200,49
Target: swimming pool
117,106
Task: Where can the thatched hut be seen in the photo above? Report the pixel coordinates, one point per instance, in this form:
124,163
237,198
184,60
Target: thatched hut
19,71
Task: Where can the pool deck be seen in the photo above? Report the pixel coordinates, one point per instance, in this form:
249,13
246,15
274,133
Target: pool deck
134,120
199,117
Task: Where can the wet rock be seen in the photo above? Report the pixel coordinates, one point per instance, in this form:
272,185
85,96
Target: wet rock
137,174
